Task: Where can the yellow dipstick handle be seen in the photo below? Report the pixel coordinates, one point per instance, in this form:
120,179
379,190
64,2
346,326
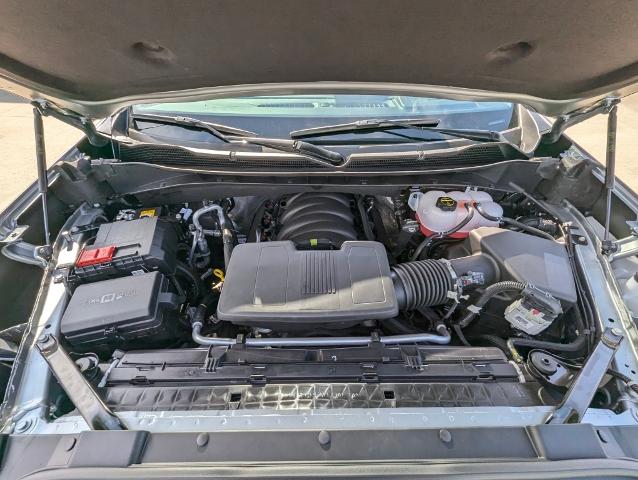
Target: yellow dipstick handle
219,273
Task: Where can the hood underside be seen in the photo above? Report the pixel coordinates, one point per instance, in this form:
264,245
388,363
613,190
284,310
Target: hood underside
95,57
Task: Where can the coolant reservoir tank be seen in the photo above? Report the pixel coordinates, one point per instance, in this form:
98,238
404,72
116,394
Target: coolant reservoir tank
438,211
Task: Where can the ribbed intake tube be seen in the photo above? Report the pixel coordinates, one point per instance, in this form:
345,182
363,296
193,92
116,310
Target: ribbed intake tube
426,283
422,284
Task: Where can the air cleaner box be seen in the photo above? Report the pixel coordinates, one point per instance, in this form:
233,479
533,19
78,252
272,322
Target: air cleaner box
128,313
128,247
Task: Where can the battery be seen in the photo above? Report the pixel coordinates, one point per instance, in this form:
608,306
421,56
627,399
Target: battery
128,247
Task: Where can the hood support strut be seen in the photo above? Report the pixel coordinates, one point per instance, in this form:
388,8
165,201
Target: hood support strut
608,245
41,161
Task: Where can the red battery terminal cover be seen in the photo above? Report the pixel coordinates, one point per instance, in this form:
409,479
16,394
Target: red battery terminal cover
95,256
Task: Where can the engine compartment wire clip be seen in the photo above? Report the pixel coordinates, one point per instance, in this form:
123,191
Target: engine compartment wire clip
473,309
213,358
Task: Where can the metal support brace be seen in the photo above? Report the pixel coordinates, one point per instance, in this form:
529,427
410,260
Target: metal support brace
580,394
628,246
41,161
610,177
97,415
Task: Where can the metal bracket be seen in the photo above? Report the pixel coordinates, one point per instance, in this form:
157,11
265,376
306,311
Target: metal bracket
565,121
24,252
580,394
48,109
97,415
627,246
14,234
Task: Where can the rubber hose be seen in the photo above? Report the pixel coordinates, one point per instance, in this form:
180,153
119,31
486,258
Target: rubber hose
395,326
459,226
487,295
229,245
460,335
528,228
620,376
470,214
515,223
365,224
183,269
256,221
418,250
424,283
578,344
497,341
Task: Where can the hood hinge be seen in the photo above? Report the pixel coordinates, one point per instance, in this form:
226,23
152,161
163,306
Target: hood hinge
563,122
48,109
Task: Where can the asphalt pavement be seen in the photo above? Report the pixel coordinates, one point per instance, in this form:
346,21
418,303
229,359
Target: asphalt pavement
17,150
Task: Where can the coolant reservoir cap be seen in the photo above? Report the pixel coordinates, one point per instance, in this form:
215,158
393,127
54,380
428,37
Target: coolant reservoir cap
447,204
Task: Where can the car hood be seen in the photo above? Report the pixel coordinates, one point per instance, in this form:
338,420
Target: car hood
95,57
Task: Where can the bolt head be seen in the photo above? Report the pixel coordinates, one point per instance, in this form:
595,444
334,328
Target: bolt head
202,439
324,438
445,436
23,425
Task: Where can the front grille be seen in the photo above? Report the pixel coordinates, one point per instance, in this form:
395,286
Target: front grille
322,396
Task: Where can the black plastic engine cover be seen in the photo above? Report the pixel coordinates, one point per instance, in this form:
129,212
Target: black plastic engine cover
274,285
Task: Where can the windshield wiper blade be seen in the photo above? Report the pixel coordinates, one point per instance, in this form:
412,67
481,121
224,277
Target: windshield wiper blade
234,135
318,154
369,125
216,129
425,125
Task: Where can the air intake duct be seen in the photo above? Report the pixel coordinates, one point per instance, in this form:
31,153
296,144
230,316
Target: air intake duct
421,284
426,283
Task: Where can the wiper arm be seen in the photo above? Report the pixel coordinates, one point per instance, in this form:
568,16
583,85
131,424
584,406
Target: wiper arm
319,154
216,129
470,134
234,135
369,125
423,124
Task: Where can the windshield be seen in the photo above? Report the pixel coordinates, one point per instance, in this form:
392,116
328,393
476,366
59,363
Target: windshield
278,115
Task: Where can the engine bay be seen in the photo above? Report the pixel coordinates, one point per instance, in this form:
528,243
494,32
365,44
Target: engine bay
436,297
